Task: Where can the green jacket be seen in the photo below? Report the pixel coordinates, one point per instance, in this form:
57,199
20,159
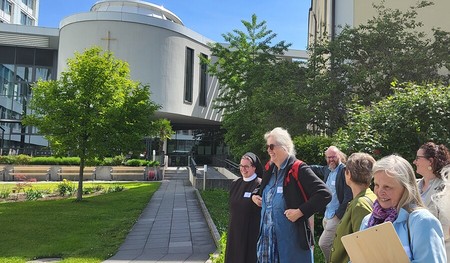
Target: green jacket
357,209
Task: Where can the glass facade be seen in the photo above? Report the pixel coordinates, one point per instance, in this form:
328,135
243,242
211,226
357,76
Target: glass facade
19,69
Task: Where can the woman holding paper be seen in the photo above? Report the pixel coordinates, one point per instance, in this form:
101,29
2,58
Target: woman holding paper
399,201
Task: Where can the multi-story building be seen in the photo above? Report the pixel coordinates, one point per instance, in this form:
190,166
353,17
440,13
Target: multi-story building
20,12
326,16
159,49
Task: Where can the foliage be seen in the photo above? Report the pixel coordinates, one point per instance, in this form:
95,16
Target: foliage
32,194
88,232
66,188
22,159
115,188
23,183
216,200
93,110
53,160
5,193
400,123
140,162
311,148
113,161
258,89
359,64
163,131
7,159
220,258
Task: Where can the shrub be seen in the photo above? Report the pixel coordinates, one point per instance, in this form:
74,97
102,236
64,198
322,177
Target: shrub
140,162
153,163
311,148
22,159
66,188
220,258
112,161
32,194
5,193
23,183
7,159
115,188
400,123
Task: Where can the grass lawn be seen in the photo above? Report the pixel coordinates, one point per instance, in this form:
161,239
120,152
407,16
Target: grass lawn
87,231
216,200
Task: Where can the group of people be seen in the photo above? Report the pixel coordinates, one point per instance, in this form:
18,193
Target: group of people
272,207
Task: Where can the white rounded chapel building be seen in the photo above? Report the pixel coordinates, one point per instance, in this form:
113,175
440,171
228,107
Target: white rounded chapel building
160,50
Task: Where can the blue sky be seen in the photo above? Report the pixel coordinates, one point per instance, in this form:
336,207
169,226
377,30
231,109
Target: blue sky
210,18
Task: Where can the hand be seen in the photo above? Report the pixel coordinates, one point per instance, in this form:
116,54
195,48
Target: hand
257,200
293,214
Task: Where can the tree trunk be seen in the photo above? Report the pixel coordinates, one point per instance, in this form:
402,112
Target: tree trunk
80,179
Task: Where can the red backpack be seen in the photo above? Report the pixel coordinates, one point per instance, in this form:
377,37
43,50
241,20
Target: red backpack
294,172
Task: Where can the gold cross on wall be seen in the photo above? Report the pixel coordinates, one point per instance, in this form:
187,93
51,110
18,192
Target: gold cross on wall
108,39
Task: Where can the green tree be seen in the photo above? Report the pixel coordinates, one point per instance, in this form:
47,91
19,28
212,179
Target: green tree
93,110
360,63
258,89
400,123
163,130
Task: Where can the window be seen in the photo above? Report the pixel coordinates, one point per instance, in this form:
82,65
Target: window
26,20
189,75
28,3
6,6
203,79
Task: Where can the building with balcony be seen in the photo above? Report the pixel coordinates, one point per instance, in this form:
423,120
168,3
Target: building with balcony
20,12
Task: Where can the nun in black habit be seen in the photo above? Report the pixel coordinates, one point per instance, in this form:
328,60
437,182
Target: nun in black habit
243,228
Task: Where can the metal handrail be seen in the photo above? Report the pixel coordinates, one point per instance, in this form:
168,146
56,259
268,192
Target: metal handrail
232,167
193,165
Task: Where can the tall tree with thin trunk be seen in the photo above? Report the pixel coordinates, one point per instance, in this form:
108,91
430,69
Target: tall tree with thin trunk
94,110
259,89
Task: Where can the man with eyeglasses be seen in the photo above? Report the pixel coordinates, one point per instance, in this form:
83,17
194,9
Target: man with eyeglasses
333,174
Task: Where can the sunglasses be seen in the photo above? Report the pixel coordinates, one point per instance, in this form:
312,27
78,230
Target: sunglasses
271,146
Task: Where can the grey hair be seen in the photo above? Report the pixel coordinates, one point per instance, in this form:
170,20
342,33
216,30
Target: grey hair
401,170
282,138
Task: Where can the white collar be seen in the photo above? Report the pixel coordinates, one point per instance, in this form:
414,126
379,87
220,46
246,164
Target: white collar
248,179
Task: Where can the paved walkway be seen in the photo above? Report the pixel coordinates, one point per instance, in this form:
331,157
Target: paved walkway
172,228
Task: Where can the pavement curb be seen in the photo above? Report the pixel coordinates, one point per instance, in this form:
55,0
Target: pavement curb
211,225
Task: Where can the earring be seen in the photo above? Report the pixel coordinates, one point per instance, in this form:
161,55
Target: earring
429,168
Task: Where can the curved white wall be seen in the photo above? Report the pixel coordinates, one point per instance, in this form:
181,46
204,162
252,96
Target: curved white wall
155,50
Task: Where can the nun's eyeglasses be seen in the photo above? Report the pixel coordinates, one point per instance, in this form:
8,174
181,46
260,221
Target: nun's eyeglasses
245,166
271,146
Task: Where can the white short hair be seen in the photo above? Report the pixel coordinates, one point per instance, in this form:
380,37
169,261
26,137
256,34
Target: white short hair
282,138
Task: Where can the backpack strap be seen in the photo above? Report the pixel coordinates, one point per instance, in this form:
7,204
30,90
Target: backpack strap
294,172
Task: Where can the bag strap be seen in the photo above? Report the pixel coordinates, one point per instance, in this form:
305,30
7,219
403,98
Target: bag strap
294,172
